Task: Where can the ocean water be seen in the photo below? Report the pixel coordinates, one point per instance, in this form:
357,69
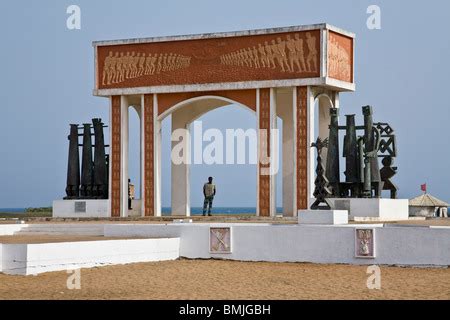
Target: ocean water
167,210
13,210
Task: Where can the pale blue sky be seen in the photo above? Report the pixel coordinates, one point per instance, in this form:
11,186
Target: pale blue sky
47,81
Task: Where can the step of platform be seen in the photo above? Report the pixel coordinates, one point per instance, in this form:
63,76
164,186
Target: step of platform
55,229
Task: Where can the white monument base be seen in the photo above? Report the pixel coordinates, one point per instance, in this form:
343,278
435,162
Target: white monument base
81,208
375,209
36,258
322,216
136,208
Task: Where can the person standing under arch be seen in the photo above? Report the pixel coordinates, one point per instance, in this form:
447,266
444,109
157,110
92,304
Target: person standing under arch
209,191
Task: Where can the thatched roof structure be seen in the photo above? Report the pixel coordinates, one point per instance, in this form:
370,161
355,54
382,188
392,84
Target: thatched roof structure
427,200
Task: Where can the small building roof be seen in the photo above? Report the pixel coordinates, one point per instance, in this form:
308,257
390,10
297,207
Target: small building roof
427,200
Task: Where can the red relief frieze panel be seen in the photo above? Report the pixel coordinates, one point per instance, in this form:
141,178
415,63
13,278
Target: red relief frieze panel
264,164
115,155
302,147
149,162
340,57
287,55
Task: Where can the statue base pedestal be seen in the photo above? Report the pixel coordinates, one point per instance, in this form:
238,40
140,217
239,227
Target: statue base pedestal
323,217
374,209
81,209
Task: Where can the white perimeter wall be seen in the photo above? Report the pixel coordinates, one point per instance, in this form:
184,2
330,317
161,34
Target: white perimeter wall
94,209
10,229
27,259
304,243
395,245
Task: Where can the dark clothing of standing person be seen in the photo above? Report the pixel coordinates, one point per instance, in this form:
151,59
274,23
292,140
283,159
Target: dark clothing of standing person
209,191
130,194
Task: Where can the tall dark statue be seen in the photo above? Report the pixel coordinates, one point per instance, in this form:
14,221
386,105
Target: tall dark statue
370,143
332,171
322,190
388,151
87,166
107,175
371,150
351,151
73,166
100,188
387,172
363,179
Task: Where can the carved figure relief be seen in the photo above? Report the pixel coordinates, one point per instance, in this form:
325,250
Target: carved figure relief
120,66
364,243
273,56
340,57
284,53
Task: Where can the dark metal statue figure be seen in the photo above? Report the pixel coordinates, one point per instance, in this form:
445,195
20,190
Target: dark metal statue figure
388,145
321,191
107,176
371,145
387,172
100,188
351,153
73,166
351,186
94,175
87,166
388,151
363,178
332,171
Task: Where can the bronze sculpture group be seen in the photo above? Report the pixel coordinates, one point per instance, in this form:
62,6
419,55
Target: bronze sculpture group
93,183
363,178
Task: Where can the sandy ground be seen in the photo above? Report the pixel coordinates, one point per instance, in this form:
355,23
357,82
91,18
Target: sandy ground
215,279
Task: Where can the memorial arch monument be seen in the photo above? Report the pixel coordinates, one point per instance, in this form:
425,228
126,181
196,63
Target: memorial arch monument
279,72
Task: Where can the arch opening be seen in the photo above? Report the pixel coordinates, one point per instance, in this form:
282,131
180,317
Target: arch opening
322,105
234,172
195,117
134,159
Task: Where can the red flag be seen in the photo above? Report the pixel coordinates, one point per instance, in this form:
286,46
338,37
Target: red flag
423,187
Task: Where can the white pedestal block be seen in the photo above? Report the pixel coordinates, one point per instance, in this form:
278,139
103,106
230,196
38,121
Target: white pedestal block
136,205
81,209
375,209
322,216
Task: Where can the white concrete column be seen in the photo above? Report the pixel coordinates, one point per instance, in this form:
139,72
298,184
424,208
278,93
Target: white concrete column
142,154
323,100
180,172
336,99
324,121
124,105
310,140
